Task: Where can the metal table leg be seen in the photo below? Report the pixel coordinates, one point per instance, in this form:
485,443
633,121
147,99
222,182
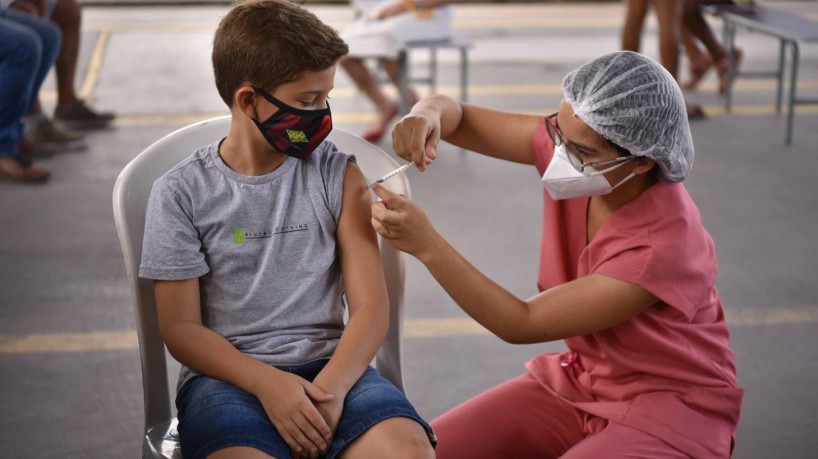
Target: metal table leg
793,83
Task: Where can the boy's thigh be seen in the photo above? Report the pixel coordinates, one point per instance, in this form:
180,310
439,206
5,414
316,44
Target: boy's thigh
517,419
620,441
372,401
214,415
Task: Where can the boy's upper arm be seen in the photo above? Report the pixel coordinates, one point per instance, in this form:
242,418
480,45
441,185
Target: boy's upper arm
171,248
358,243
177,302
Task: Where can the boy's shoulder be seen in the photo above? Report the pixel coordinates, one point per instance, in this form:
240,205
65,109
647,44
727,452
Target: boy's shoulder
193,167
328,153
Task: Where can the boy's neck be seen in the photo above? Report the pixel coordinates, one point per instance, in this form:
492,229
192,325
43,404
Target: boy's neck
245,154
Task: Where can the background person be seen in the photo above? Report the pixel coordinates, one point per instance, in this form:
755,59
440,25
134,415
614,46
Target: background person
28,47
71,111
669,18
380,31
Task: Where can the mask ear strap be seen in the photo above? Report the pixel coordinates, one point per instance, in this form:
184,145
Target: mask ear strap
628,177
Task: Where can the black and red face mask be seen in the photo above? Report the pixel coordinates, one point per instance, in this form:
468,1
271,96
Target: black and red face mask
293,131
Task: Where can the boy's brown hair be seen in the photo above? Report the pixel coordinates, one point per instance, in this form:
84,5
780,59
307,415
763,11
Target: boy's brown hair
269,43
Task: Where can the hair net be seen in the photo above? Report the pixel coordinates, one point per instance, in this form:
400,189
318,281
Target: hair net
635,103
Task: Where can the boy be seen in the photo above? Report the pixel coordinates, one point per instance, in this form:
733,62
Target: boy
247,240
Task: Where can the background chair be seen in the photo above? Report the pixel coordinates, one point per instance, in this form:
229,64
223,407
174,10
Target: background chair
130,199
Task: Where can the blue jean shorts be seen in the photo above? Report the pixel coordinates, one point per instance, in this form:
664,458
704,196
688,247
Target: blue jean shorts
214,414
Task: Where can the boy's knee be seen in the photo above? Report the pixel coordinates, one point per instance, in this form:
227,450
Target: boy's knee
414,448
396,438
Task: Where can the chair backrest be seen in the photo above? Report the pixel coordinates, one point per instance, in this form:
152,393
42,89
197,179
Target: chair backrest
130,197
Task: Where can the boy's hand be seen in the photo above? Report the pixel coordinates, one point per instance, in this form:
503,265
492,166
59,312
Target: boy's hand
416,136
288,401
403,223
331,412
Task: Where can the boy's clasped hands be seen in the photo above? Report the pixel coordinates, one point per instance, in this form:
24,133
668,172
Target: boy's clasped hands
304,415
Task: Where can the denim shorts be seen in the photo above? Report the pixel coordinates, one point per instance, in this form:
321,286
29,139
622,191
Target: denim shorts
214,415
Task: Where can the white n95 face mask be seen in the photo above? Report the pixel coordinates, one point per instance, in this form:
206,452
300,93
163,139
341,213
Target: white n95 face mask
563,181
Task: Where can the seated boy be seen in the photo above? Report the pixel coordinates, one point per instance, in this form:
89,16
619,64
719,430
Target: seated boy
253,241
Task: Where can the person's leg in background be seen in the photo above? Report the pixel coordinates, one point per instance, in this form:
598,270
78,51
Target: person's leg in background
28,47
369,85
392,69
694,22
669,18
41,138
669,15
699,61
635,12
71,110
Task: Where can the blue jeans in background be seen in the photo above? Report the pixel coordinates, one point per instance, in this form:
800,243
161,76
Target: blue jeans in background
28,47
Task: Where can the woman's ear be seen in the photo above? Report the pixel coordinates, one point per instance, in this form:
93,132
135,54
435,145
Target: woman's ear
245,99
643,165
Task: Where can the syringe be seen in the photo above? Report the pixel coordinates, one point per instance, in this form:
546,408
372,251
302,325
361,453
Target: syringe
394,172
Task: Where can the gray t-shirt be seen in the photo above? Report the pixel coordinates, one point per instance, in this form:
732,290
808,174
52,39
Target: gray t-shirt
263,248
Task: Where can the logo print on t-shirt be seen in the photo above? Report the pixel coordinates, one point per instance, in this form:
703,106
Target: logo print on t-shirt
238,236
241,235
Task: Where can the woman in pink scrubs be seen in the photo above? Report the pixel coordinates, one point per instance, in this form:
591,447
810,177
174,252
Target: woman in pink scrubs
627,276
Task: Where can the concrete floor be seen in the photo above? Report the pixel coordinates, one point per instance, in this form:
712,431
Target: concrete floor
70,381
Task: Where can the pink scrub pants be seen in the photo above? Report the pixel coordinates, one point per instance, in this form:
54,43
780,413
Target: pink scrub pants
519,420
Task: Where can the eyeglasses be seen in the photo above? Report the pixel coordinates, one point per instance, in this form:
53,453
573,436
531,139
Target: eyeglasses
574,152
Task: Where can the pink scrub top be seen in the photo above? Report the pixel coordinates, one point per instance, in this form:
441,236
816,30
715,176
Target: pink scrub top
669,371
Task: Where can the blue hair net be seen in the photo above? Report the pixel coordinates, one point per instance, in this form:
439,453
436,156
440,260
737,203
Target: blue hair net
635,103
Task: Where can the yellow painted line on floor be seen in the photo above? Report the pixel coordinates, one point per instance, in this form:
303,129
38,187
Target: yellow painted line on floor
95,66
413,329
772,316
69,342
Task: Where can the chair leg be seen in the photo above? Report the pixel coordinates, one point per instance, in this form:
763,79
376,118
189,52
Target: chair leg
782,50
403,81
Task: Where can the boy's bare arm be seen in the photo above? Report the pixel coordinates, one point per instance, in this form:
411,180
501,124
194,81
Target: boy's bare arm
286,398
365,289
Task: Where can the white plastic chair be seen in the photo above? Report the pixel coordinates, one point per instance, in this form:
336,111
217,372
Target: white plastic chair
130,198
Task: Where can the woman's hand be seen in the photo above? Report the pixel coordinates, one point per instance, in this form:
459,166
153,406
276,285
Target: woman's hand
416,135
290,402
403,223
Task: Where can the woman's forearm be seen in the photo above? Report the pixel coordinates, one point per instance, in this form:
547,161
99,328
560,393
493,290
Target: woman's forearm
484,300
